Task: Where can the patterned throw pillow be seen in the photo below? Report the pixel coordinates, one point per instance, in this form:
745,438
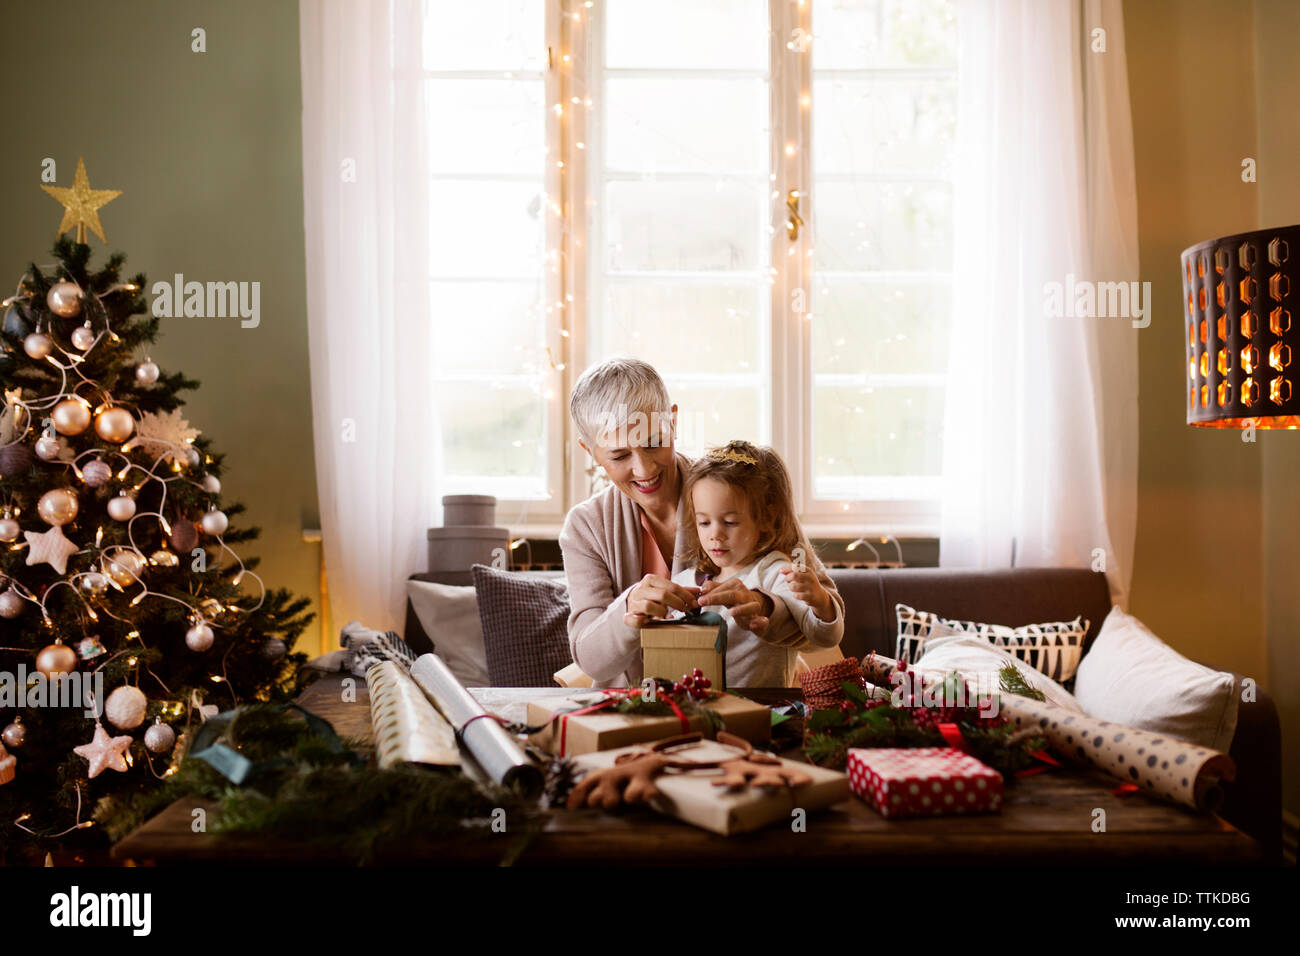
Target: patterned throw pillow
525,627
1052,649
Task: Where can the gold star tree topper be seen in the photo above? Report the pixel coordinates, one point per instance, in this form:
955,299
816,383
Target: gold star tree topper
81,204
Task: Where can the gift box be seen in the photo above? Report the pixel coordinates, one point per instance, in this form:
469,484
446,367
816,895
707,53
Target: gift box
923,781
672,649
692,797
569,730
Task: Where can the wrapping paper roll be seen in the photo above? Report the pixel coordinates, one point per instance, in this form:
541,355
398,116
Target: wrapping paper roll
495,750
1174,769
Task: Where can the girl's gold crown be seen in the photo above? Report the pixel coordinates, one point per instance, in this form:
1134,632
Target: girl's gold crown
733,452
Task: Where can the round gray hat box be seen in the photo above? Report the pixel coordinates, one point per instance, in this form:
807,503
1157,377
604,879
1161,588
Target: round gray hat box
467,538
460,510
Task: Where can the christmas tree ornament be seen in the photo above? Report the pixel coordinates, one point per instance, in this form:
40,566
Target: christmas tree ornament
125,707
274,649
167,434
11,604
14,734
124,566
184,536
199,637
58,506
104,752
17,323
89,647
48,448
71,416
214,523
9,529
160,737
8,766
14,460
146,373
164,559
51,548
38,345
121,508
56,658
210,607
212,484
64,299
96,473
93,582
81,204
83,337
113,423
192,457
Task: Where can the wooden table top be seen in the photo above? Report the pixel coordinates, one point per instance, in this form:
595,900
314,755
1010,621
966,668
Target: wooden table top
1046,818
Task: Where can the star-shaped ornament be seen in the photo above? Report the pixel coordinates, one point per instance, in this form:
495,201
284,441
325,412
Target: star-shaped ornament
104,752
81,204
50,547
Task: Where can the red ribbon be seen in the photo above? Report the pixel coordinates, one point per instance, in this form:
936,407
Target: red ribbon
1124,789
952,734
1043,756
613,696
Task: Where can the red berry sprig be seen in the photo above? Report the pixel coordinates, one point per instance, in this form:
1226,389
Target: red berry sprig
695,685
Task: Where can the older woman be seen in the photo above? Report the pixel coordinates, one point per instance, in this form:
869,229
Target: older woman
622,545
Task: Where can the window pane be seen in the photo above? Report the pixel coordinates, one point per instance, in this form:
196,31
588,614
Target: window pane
485,35
693,328
686,125
676,34
486,229
494,431
907,334
857,34
683,226
496,126
884,124
470,315
708,416
869,226
867,431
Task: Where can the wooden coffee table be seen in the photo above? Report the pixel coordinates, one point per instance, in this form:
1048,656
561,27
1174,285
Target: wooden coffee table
1046,818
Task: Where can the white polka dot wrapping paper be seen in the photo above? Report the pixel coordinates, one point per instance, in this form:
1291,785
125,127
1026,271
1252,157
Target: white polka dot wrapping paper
1159,764
923,781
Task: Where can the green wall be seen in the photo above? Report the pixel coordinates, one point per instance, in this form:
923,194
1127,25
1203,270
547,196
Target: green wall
207,149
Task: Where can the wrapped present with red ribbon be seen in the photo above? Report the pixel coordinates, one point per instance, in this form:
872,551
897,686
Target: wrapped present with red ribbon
923,781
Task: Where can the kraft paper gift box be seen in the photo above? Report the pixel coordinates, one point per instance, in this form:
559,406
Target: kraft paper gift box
672,649
692,797
567,735
923,781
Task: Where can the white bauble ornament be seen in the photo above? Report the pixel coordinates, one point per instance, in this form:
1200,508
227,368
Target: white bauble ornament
47,449
191,455
9,529
159,738
114,424
71,416
93,582
212,484
199,637
121,508
82,337
58,506
124,567
214,523
38,345
96,473
146,373
11,604
125,707
64,299
164,559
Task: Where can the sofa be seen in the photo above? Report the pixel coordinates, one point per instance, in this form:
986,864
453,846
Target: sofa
1018,596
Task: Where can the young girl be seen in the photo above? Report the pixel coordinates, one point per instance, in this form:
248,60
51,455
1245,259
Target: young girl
742,526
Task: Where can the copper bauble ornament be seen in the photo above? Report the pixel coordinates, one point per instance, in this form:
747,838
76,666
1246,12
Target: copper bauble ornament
56,658
9,529
47,448
64,299
83,337
164,559
159,738
274,649
146,373
14,735
124,567
38,345
71,416
94,582
11,603
114,424
199,637
96,473
121,508
58,506
14,460
184,536
210,607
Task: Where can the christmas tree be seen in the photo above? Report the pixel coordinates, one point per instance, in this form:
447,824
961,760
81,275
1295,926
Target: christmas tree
118,582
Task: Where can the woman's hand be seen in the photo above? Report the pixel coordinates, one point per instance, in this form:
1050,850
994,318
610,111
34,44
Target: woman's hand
805,586
752,610
654,596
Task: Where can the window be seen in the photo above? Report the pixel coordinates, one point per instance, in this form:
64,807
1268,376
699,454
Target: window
753,196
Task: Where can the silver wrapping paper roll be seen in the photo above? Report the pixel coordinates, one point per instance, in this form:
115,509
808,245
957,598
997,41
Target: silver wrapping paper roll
490,744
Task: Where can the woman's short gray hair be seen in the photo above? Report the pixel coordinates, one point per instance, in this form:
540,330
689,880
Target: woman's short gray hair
621,394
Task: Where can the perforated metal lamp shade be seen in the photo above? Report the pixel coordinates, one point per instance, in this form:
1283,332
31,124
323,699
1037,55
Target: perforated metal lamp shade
1239,296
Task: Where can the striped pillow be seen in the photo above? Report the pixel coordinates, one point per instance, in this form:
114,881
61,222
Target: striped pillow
1053,649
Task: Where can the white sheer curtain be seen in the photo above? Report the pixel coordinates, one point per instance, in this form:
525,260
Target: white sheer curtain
366,186
1040,446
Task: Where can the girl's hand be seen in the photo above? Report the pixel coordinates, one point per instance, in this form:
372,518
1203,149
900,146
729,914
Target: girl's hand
805,586
652,598
752,610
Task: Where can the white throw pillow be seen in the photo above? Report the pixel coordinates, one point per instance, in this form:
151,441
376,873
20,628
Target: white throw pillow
947,650
449,616
1133,678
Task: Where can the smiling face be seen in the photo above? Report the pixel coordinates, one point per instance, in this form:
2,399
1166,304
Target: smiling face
727,531
641,465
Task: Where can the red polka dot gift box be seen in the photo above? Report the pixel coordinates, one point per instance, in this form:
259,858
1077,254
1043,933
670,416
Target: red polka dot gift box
924,781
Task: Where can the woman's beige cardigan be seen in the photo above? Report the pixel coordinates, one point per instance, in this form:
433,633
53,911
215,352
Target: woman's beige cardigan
601,542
